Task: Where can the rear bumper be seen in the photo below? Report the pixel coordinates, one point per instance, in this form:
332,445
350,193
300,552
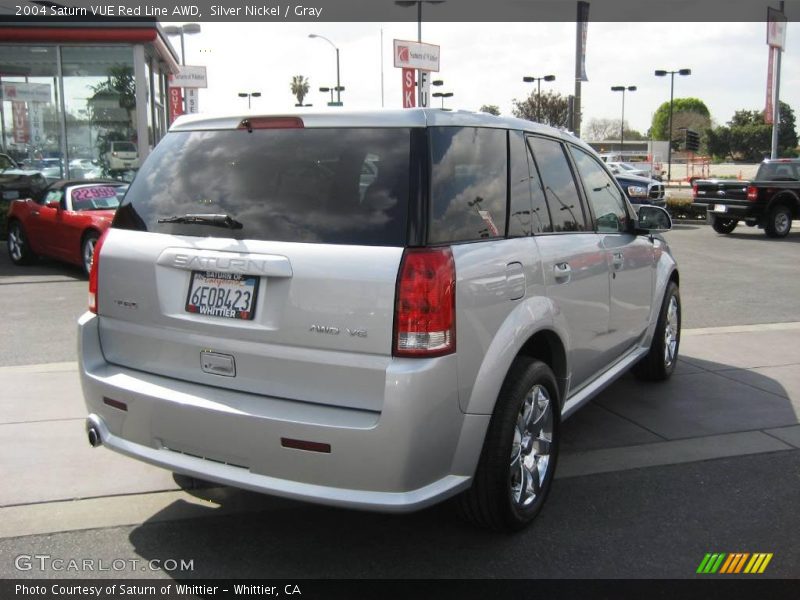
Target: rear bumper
739,212
418,450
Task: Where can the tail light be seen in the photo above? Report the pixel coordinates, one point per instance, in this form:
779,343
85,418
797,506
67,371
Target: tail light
94,272
425,312
694,191
752,193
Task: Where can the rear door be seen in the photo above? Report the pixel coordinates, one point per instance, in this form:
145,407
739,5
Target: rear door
261,260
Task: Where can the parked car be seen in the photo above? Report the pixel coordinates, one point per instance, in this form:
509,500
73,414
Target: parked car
771,201
259,322
121,157
63,222
641,190
16,182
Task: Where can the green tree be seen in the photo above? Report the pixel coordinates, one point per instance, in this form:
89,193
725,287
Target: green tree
112,107
299,87
552,108
717,141
691,113
748,137
492,109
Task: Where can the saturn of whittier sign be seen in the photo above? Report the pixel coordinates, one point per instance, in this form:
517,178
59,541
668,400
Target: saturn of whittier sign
424,58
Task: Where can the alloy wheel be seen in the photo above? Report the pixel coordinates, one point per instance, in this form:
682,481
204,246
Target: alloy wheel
531,448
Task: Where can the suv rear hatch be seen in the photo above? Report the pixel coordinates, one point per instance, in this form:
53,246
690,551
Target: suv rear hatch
262,259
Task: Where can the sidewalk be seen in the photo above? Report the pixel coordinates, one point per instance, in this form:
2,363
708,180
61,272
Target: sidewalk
736,391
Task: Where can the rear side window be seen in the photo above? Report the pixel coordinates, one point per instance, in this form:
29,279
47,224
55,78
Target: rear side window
562,196
333,186
468,184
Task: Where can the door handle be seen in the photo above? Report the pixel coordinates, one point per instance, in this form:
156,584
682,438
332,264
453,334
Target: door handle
34,213
563,272
618,260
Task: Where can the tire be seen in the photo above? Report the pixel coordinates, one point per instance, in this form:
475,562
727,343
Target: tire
724,225
19,249
87,250
779,221
519,455
659,363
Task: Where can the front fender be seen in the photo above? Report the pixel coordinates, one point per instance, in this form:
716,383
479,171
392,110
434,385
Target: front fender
665,266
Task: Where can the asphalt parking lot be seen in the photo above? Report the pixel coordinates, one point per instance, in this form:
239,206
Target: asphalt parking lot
650,478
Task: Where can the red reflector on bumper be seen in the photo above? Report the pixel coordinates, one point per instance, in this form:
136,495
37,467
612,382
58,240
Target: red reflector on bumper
304,445
115,404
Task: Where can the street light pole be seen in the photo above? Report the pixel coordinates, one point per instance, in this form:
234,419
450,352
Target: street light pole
538,80
338,82
249,95
662,73
622,88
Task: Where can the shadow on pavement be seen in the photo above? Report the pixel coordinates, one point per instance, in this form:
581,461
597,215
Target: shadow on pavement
650,522
41,267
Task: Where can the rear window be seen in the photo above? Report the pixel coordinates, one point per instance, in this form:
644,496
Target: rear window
332,186
778,172
123,147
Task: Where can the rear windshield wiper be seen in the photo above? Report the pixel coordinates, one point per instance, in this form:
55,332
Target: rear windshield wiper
205,219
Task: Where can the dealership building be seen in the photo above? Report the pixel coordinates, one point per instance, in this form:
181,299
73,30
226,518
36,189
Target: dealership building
69,89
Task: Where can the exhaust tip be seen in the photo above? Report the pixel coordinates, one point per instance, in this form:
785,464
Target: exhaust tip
94,436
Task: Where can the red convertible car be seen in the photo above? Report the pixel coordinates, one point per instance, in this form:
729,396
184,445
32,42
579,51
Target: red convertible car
63,222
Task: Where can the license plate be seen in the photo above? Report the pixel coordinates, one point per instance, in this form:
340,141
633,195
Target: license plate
720,208
228,295
11,195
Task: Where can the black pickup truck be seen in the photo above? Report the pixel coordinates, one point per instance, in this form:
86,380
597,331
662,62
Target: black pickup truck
770,201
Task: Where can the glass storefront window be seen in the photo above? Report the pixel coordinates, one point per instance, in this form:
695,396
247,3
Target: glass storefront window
30,115
100,102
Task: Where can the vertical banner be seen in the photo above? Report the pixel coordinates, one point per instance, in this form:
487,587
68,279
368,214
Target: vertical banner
424,84
583,29
175,104
19,117
192,101
36,117
769,109
409,100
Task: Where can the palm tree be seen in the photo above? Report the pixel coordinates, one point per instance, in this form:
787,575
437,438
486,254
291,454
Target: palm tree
299,88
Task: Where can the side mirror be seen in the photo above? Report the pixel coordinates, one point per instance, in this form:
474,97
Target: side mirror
53,204
652,219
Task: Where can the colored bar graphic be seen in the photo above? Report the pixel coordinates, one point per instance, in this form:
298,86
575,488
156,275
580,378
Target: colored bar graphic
741,562
717,564
765,563
727,564
705,561
732,564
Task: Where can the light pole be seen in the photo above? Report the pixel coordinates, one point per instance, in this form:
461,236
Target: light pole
622,88
249,95
538,81
662,73
188,29
442,95
418,4
339,87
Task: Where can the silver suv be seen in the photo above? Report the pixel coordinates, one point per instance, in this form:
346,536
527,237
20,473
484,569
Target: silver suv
375,310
